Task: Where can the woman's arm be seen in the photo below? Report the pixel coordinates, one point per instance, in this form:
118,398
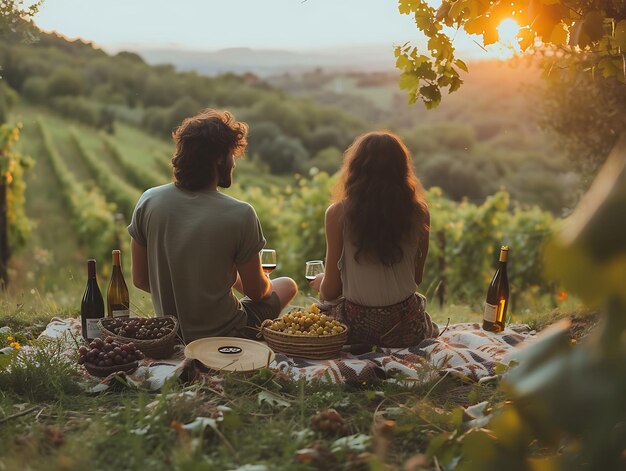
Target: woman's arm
422,252
331,286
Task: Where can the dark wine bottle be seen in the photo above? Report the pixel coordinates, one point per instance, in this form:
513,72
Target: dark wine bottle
118,303
494,317
92,305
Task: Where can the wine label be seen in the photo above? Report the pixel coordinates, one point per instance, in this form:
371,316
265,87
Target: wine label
120,312
491,311
93,331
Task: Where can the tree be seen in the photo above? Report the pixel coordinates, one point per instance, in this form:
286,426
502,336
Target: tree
595,29
15,22
582,43
16,19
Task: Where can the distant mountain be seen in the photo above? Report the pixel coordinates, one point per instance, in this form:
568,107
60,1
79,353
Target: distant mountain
265,62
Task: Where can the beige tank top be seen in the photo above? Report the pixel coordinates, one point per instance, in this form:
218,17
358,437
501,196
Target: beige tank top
374,284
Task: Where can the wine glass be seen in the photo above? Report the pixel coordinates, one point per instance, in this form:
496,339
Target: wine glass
313,268
268,261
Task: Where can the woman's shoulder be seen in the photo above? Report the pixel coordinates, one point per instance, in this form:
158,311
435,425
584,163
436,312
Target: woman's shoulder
335,210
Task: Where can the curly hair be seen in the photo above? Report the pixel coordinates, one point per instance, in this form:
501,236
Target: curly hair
384,202
202,140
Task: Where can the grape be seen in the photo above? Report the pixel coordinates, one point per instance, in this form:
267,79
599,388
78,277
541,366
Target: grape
109,353
307,323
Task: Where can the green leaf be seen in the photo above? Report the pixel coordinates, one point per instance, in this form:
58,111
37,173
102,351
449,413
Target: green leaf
272,399
408,81
431,95
477,25
593,25
7,355
404,7
455,84
461,65
559,35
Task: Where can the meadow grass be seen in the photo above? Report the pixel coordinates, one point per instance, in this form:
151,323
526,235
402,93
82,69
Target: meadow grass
49,421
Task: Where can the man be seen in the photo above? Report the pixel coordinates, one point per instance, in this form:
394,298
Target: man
192,244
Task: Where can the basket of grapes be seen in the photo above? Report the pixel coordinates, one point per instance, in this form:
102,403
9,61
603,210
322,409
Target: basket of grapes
104,357
154,336
306,334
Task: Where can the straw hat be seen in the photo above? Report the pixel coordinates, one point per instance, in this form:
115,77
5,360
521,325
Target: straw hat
230,353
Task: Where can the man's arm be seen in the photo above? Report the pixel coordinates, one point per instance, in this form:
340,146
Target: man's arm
238,285
254,283
139,266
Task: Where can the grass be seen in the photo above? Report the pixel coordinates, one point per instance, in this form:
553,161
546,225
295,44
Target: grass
130,429
49,422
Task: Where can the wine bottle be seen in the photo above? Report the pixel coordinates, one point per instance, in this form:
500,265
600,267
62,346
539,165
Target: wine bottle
92,305
118,304
494,317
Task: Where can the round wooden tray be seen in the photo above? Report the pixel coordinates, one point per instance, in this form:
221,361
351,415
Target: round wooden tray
322,347
104,371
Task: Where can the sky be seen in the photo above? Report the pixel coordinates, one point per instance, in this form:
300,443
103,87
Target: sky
208,25
218,24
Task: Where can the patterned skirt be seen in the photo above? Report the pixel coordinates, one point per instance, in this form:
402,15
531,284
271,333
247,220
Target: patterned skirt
399,325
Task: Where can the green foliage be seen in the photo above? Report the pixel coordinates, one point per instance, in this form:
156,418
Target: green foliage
92,216
473,236
572,26
283,155
65,82
16,19
82,82
327,160
141,177
293,223
585,112
41,372
13,166
115,189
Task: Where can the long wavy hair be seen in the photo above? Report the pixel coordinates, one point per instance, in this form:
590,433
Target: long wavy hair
202,140
384,203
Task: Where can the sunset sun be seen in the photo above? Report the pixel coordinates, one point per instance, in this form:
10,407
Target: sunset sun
507,32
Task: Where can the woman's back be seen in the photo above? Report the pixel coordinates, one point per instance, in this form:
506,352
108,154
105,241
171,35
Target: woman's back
369,282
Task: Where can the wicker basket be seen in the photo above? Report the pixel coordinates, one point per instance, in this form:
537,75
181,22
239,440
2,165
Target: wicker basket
315,348
104,371
153,348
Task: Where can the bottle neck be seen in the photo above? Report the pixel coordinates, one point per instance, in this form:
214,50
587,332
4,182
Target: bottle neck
503,256
91,269
116,258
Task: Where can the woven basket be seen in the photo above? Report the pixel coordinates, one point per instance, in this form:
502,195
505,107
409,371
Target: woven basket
104,371
153,348
314,348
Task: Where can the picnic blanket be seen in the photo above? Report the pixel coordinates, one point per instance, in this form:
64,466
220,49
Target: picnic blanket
463,350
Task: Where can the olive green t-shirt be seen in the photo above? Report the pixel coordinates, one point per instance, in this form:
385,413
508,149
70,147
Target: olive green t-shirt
194,241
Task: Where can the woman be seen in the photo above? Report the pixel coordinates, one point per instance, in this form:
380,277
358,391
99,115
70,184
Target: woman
376,245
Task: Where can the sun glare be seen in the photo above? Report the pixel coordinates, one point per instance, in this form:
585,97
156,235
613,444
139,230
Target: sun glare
507,45
507,32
